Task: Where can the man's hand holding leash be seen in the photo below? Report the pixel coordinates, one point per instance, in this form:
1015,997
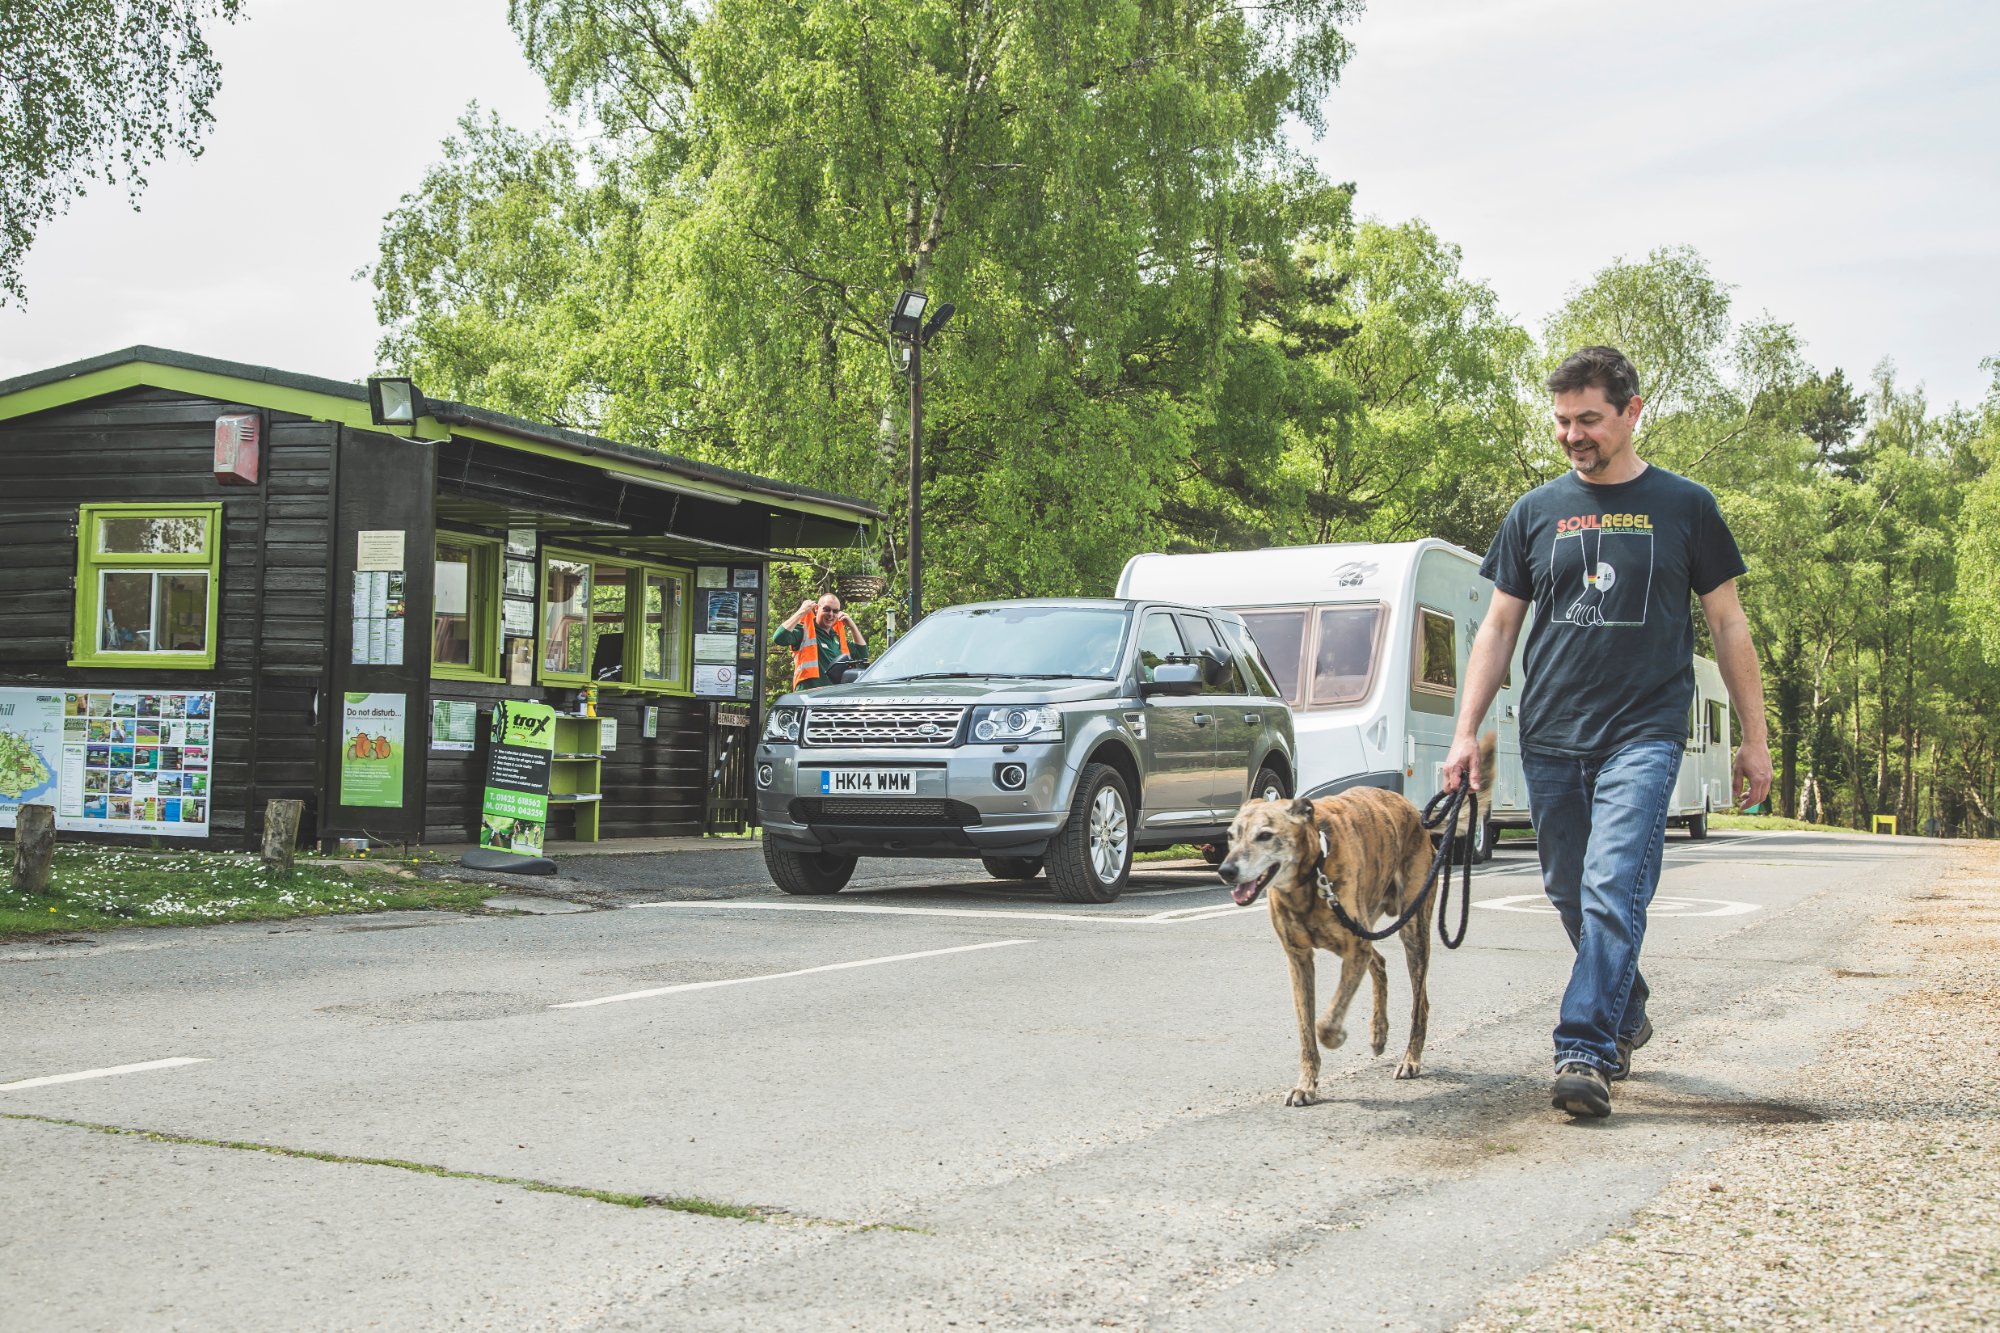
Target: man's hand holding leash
1492,650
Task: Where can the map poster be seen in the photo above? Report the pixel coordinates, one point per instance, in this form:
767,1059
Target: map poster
514,816
371,750
31,735
109,761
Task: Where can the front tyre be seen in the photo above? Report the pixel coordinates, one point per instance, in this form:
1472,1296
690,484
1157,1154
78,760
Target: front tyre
810,873
1090,857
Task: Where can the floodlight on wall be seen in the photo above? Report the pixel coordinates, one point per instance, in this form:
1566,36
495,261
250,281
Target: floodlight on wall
393,400
908,315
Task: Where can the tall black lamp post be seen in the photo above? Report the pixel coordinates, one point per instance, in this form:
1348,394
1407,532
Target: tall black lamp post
907,325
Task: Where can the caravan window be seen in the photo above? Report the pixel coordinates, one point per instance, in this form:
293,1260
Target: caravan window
1437,653
1281,638
1251,663
1344,662
1718,723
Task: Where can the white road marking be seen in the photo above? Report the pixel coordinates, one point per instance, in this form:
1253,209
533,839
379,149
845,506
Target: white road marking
80,1075
1663,905
780,976
1170,917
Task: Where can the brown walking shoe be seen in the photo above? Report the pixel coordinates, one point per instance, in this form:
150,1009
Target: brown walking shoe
1582,1090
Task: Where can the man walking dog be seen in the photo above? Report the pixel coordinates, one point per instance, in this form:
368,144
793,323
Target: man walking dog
1608,554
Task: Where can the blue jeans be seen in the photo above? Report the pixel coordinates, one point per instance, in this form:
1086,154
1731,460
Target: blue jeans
1600,829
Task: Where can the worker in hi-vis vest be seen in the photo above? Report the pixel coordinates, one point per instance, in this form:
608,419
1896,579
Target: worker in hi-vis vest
835,637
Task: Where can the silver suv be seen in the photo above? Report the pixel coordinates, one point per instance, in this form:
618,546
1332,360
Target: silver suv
1051,734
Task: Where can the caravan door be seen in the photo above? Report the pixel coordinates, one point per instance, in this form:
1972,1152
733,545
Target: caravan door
1433,700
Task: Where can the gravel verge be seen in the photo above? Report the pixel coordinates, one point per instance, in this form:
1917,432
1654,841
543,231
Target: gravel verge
1882,1214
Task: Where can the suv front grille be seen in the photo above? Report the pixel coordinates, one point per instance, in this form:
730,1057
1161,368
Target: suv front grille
902,725
837,810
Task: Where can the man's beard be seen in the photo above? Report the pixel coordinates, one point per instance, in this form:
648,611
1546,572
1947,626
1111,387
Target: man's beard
1586,460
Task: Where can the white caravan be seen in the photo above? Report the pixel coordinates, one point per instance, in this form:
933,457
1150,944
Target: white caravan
1369,644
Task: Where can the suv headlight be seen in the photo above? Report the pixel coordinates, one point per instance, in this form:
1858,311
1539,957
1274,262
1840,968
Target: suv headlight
1011,722
783,725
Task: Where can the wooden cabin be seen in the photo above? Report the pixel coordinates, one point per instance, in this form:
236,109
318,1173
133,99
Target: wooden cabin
222,584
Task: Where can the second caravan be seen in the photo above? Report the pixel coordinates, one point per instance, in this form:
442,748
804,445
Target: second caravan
1369,642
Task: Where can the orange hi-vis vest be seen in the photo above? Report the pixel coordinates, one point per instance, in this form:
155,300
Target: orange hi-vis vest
805,662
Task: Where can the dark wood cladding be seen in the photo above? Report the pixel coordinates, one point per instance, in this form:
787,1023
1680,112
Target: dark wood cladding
152,445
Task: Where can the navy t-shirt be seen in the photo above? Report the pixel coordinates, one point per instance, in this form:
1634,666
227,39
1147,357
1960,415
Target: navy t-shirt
1610,657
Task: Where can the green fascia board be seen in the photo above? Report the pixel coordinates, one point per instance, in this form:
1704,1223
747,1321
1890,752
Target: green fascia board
331,400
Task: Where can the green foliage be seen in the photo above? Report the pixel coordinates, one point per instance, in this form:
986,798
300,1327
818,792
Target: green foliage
94,90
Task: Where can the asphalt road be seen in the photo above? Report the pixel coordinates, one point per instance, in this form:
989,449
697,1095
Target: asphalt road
953,1103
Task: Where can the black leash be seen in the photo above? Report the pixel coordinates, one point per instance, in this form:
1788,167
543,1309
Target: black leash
1440,871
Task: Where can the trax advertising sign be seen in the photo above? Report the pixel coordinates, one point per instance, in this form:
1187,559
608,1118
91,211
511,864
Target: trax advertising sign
515,814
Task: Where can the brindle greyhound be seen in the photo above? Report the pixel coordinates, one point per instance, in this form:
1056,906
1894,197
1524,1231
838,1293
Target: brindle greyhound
1375,852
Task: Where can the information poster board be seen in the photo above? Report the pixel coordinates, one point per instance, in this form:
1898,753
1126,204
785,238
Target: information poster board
371,749
109,761
727,648
514,817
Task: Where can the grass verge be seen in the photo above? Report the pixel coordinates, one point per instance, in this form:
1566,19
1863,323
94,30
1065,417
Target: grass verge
1180,851
1761,823
96,888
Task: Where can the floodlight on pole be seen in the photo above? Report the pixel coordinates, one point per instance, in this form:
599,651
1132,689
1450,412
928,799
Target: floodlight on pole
906,324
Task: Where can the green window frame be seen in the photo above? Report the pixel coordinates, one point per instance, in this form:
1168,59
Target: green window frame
477,614
572,621
114,586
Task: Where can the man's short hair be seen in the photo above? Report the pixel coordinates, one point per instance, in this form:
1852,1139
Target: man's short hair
1604,368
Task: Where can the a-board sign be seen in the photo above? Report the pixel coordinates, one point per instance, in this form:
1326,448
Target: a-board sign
514,817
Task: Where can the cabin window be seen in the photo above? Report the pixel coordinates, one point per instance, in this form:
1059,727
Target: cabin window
623,624
1281,638
465,630
1437,653
565,617
1344,658
660,628
146,585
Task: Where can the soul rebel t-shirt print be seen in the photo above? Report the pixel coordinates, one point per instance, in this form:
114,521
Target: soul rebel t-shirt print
1603,567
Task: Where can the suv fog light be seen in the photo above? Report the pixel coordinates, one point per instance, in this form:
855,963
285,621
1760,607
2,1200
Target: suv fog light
764,775
1010,777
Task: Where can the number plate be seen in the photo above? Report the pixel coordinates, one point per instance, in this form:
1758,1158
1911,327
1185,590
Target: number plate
868,782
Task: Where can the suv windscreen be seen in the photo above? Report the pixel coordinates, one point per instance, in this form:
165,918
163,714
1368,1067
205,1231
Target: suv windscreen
1035,642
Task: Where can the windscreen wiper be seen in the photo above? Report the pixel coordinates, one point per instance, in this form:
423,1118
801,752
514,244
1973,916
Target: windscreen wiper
952,675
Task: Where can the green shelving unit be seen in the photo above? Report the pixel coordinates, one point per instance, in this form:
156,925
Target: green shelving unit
576,773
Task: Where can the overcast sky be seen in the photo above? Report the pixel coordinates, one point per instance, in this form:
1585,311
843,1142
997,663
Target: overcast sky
1834,160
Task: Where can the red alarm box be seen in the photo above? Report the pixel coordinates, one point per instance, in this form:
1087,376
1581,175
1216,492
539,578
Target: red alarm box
237,437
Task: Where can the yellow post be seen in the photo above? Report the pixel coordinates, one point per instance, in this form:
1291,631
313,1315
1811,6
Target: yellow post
1885,820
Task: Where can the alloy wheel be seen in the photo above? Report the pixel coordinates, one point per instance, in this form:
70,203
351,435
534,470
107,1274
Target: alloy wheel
1108,835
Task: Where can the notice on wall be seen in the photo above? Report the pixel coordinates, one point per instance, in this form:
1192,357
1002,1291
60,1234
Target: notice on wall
715,682
514,816
371,749
454,724
711,576
124,761
377,612
715,648
745,578
379,550
649,722
607,734
521,541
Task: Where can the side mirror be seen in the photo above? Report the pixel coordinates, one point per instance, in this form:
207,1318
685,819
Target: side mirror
1215,667
1172,678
